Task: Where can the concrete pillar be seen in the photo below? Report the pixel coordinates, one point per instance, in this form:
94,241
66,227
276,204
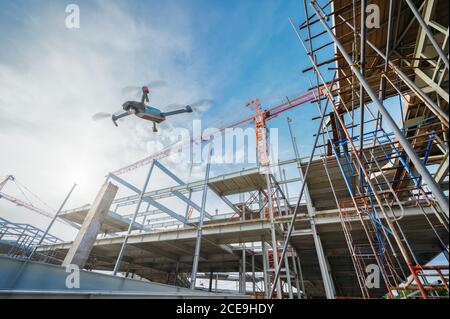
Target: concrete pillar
84,241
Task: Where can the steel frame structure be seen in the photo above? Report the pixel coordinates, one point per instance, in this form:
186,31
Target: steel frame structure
21,239
271,202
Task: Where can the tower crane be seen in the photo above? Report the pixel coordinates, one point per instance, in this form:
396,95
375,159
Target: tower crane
19,202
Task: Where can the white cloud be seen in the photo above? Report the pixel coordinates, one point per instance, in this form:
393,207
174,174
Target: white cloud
59,78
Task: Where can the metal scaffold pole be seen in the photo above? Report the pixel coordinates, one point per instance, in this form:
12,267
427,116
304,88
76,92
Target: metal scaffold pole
263,248
130,226
362,93
277,265
53,220
200,223
329,99
294,217
327,281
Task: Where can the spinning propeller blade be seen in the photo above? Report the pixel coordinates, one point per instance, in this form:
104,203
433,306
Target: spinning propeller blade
156,84
198,106
101,116
202,105
138,89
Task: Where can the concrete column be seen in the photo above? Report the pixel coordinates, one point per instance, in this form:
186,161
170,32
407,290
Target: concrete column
84,241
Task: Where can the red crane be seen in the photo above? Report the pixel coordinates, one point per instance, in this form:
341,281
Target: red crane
19,202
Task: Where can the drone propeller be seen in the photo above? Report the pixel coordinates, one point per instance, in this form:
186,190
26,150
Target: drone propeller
101,116
200,106
138,89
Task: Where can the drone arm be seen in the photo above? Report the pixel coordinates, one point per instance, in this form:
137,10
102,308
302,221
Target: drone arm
188,109
119,115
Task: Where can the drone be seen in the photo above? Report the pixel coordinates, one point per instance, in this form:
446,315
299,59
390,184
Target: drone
147,112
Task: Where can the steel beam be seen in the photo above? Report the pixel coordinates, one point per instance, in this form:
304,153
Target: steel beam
178,193
149,199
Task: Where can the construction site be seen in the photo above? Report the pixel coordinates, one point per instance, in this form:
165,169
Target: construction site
365,215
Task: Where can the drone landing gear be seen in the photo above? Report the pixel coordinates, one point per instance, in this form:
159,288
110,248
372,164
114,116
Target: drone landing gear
154,127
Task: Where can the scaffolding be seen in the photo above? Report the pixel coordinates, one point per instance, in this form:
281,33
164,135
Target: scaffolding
384,166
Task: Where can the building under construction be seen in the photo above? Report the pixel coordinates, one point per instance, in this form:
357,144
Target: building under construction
370,202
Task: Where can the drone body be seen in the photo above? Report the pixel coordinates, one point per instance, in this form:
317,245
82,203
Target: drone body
146,112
